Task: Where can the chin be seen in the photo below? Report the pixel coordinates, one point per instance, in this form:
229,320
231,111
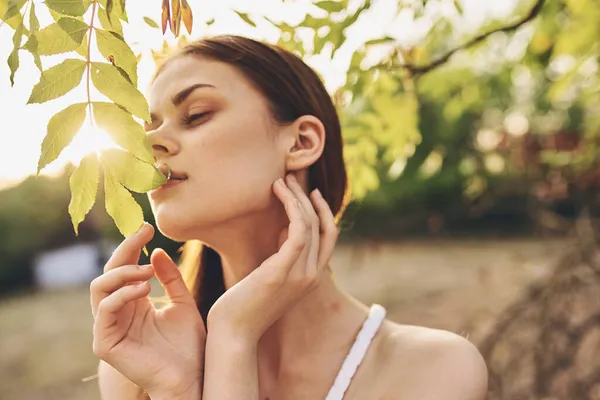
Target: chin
174,225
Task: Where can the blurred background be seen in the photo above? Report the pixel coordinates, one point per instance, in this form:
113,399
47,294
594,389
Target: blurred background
472,137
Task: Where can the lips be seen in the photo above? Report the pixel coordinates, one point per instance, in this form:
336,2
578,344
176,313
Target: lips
178,176
174,175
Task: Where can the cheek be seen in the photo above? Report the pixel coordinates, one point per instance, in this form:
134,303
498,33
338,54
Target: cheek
231,179
238,176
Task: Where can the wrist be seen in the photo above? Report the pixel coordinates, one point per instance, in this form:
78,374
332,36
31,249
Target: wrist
234,341
192,392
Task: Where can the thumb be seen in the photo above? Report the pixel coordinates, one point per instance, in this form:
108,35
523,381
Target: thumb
170,278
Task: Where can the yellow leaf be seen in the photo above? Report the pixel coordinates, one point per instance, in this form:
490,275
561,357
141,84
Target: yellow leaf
123,129
57,81
165,16
122,55
121,206
84,187
131,172
175,16
109,81
188,18
62,128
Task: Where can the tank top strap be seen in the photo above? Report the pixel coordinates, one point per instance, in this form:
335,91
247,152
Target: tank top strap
357,352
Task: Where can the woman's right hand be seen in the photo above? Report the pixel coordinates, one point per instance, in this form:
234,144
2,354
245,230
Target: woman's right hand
161,351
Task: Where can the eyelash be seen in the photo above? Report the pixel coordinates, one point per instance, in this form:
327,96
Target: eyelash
191,118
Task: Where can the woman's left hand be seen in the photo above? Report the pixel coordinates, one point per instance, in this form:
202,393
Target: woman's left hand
251,306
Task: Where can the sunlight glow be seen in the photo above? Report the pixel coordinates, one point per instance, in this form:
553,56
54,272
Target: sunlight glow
24,126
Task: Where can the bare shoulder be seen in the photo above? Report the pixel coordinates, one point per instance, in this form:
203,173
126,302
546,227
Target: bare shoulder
427,363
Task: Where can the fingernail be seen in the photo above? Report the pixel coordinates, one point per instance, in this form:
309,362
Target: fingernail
140,285
280,182
319,193
145,267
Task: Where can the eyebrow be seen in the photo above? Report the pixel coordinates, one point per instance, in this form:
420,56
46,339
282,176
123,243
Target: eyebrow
182,95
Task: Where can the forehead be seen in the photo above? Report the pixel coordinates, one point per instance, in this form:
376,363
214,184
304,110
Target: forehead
185,71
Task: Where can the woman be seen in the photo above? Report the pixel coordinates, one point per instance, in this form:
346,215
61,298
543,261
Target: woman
251,142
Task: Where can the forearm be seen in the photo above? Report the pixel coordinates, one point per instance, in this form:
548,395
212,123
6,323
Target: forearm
230,369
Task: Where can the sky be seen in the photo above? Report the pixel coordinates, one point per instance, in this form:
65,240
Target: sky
23,126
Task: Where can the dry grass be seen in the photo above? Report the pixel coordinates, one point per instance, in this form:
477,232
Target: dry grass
45,338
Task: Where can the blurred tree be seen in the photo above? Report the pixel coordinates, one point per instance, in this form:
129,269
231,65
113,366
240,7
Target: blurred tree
392,121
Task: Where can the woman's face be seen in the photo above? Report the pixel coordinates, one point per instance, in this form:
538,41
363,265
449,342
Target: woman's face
220,136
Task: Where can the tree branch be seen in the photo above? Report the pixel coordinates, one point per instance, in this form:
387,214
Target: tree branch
89,61
421,69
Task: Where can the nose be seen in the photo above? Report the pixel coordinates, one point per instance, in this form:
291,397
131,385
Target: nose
162,144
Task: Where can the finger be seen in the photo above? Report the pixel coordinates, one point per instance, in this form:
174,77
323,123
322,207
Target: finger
329,230
296,242
298,192
169,276
109,308
128,252
313,219
283,192
114,279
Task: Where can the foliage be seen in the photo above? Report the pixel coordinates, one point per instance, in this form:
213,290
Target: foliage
115,77
427,123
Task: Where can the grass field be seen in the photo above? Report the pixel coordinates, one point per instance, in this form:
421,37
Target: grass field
45,337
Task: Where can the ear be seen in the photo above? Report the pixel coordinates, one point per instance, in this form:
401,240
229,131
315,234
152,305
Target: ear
308,135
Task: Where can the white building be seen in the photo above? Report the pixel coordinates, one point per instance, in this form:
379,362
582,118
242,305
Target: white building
74,265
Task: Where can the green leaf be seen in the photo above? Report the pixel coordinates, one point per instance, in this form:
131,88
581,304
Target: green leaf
109,8
319,43
123,11
61,130
16,19
82,50
69,7
74,28
308,22
123,129
34,26
121,206
113,25
13,58
150,22
246,18
133,173
57,81
337,38
56,15
110,45
115,9
382,40
84,187
458,7
13,7
330,6
113,85
54,39
13,64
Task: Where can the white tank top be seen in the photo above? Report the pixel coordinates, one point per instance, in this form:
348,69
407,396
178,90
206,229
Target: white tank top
357,352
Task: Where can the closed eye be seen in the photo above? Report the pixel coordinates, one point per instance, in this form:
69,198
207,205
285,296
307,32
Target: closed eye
193,117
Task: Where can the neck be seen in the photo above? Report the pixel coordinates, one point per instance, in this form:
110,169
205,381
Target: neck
323,323
320,328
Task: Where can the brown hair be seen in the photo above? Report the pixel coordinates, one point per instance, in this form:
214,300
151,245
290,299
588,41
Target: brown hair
292,90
